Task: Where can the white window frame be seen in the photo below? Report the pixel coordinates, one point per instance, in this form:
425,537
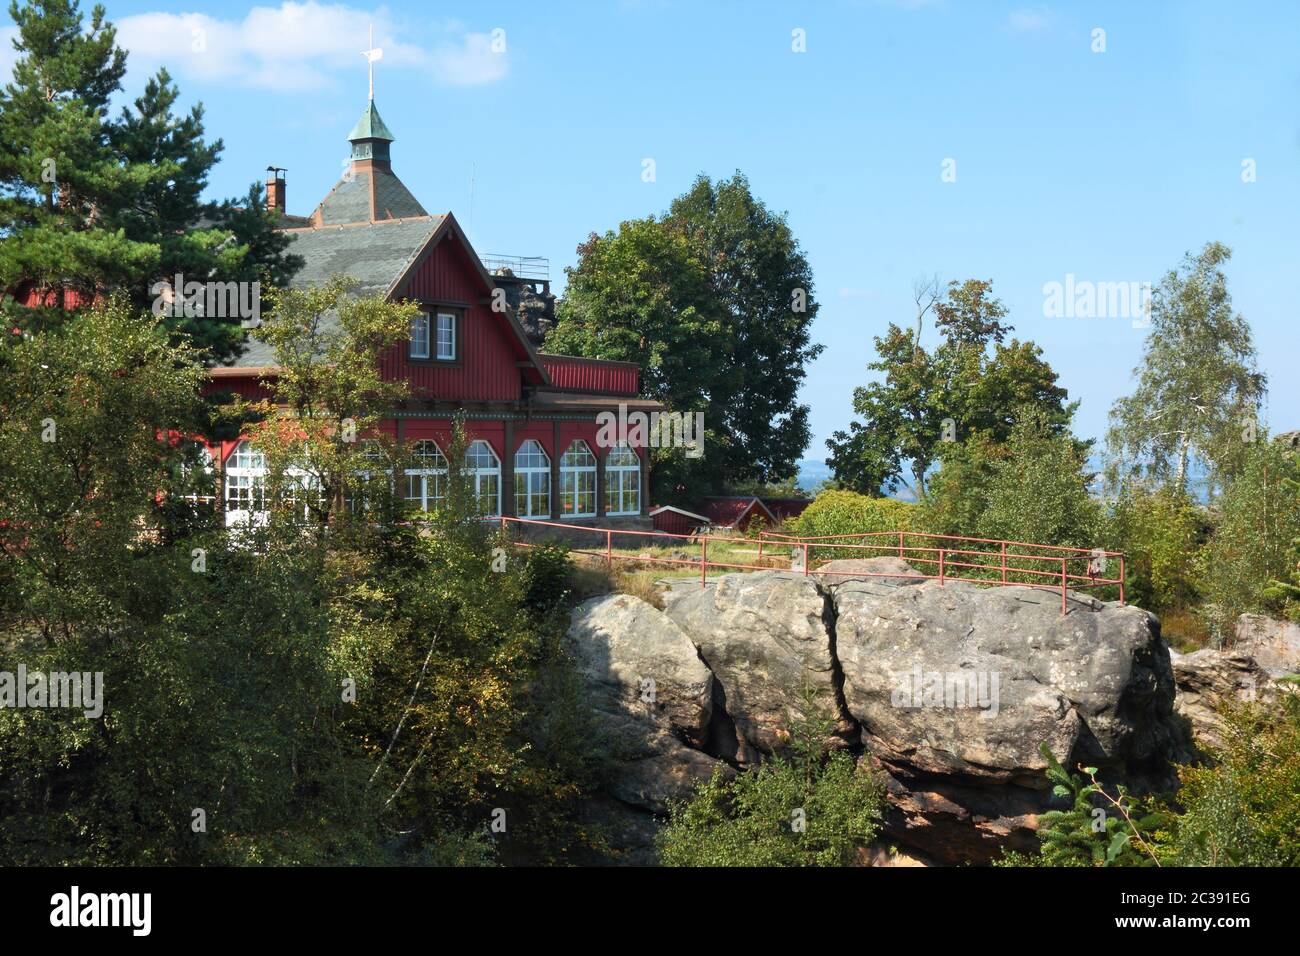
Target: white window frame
577,467
535,472
245,469
616,479
420,331
475,468
431,475
437,330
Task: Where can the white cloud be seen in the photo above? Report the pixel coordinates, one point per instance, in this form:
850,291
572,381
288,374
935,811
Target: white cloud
1026,21
304,46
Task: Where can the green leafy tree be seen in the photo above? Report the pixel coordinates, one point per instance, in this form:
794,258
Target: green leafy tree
1257,520
805,809
714,301
1199,391
1160,533
969,387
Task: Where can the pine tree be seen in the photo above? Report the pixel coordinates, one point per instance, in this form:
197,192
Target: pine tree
91,206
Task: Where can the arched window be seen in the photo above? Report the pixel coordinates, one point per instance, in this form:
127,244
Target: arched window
245,480
426,480
532,481
622,482
483,469
578,481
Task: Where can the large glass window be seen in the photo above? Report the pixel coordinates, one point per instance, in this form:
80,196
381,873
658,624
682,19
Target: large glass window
578,481
245,483
426,480
532,481
622,482
483,469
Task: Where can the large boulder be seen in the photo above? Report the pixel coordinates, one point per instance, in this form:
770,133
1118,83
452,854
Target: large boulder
653,694
1275,645
766,637
956,688
1210,680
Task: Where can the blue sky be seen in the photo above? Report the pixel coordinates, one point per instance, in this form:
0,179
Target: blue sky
1105,165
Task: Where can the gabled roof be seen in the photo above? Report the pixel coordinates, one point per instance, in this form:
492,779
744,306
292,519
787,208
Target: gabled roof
375,254
727,512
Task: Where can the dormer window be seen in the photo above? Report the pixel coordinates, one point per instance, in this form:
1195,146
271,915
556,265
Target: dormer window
420,337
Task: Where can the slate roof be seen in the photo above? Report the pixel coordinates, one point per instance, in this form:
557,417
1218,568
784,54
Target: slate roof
349,200
375,254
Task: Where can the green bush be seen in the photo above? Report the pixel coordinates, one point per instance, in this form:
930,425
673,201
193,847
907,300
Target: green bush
810,809
1259,517
849,513
1159,533
1244,809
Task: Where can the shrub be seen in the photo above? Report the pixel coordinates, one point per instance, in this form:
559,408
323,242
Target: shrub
1259,517
1159,533
1243,810
807,810
849,513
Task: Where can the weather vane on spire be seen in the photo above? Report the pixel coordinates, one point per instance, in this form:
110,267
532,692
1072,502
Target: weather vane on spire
371,55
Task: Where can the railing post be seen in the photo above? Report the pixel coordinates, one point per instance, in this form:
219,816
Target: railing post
1063,585
760,546
900,544
609,548
704,562
1004,562
941,567
1121,580
805,559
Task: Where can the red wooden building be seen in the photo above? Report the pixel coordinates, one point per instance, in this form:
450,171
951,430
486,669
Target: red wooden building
532,416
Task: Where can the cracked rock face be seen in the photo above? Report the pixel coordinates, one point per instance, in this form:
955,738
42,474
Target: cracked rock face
766,637
653,693
1208,679
949,689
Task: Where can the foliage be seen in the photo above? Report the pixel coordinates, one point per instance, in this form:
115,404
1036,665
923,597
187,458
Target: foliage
807,809
1257,520
714,302
967,388
1159,532
1241,810
92,205
1198,391
1098,828
849,513
1289,591
1038,491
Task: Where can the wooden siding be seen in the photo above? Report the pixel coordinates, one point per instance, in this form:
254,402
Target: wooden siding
592,375
487,370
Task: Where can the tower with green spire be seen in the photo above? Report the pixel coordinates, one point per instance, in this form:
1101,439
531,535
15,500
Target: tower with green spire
370,138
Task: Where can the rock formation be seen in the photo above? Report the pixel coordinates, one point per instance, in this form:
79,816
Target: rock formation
949,688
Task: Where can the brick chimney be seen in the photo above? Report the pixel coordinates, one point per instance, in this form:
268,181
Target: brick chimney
275,189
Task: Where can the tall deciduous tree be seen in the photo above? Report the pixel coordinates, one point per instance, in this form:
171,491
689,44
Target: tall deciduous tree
1199,390
714,300
970,386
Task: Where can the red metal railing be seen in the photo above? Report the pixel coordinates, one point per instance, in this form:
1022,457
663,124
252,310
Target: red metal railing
1003,561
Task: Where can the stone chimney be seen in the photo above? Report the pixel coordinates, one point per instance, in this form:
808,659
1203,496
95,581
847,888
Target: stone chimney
275,189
